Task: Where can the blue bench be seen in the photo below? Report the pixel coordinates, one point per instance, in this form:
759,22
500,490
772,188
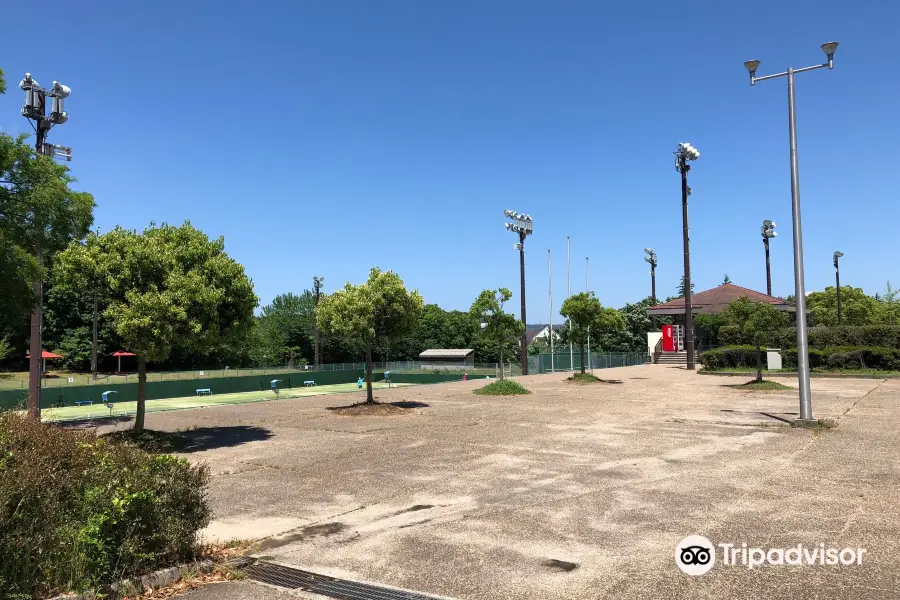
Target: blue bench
204,392
83,402
309,383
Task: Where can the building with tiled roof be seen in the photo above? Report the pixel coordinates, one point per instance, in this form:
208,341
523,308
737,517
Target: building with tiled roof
717,299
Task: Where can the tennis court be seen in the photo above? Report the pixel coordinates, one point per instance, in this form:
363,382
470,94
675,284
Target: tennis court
95,411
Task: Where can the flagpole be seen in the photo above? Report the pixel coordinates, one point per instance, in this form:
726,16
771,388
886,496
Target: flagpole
569,261
550,292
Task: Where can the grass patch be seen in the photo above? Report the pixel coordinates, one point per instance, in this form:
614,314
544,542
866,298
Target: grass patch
584,378
817,427
505,387
761,385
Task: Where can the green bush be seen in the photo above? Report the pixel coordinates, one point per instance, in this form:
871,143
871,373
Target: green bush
789,358
878,336
729,357
78,512
502,387
885,359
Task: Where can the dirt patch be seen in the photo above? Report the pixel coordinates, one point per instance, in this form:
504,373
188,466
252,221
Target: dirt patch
375,410
310,531
559,565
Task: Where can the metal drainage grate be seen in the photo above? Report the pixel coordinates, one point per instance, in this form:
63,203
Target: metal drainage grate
296,579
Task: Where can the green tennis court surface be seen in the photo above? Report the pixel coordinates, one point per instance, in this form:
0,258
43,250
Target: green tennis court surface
94,411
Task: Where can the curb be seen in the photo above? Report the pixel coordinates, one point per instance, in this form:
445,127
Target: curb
156,579
794,374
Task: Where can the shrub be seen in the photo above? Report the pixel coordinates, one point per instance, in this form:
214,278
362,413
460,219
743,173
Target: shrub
503,387
880,336
729,357
789,358
886,359
78,512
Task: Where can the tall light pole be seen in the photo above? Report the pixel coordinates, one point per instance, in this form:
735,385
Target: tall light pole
317,286
94,343
768,232
837,282
550,293
799,286
35,109
569,264
587,289
651,258
524,226
683,154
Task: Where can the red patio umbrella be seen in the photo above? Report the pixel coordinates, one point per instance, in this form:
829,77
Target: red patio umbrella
120,354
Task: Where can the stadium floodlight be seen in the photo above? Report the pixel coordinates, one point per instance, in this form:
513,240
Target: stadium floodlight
684,153
523,225
829,49
837,282
767,231
34,109
651,258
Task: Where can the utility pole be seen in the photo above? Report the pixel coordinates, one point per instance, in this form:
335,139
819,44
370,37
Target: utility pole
768,232
317,286
35,110
651,259
685,153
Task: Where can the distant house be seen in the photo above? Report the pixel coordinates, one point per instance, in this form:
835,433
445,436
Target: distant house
533,332
448,358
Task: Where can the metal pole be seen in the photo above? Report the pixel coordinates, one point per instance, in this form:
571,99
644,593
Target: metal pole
587,289
688,314
569,263
94,339
522,293
550,292
837,281
799,286
317,284
768,268
653,281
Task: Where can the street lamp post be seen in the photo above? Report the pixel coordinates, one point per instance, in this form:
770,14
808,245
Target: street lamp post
35,109
317,286
768,232
837,282
683,154
524,226
651,258
799,285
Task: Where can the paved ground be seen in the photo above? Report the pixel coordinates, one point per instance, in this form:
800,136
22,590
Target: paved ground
573,492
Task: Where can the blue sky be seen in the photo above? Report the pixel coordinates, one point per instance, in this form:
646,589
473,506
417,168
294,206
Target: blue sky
323,138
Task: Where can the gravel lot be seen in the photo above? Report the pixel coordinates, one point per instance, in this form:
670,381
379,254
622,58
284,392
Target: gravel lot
575,491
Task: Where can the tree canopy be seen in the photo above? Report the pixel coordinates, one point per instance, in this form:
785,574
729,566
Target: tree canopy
756,321
379,311
167,287
856,307
501,329
588,317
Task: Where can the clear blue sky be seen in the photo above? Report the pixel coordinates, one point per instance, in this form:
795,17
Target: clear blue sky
322,138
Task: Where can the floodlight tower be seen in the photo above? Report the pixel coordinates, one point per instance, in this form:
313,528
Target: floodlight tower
651,258
35,109
768,232
837,282
829,49
524,226
317,286
684,153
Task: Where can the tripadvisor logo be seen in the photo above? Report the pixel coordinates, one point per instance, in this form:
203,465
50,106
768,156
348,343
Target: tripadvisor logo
696,555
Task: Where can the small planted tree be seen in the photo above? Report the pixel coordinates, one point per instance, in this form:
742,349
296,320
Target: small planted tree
587,316
756,321
167,287
498,325
380,311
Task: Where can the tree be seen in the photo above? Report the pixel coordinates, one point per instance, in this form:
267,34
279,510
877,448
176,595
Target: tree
39,215
379,311
680,289
587,316
856,307
286,330
167,287
889,309
756,321
500,326
727,279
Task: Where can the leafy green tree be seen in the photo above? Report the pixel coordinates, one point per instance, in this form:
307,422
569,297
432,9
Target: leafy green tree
167,287
680,289
285,330
586,317
756,321
727,279
889,308
5,349
856,307
381,310
500,327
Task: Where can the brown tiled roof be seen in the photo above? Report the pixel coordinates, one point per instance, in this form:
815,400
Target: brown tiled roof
716,299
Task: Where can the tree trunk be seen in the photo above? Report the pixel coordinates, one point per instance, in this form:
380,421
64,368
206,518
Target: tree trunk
370,398
141,391
582,358
502,370
758,363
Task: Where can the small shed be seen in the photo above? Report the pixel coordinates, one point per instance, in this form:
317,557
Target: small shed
448,358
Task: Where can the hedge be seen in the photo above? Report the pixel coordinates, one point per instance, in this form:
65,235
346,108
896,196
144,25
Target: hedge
78,512
878,336
842,357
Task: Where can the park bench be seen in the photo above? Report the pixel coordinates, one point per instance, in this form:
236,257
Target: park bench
83,402
204,392
309,383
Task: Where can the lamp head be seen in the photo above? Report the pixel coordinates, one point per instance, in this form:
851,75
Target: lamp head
829,48
752,66
838,254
